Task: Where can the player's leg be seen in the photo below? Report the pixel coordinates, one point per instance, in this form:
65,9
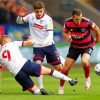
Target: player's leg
86,67
71,58
56,74
40,78
68,64
35,90
25,81
38,58
85,57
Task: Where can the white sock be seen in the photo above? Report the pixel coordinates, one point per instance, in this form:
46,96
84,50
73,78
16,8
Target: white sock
88,79
61,87
37,91
40,82
59,75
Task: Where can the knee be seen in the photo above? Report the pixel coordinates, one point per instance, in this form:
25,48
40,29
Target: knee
59,67
85,64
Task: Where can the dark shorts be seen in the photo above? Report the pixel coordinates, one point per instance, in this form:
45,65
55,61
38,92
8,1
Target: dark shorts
50,52
74,53
29,69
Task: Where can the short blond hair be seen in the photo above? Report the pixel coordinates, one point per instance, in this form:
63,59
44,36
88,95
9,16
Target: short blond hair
3,39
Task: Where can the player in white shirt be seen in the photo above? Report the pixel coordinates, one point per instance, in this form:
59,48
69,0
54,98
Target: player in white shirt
41,28
22,68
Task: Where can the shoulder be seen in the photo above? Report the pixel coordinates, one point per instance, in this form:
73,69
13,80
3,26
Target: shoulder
85,19
69,20
47,17
10,44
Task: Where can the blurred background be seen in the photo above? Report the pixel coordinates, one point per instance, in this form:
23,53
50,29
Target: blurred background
59,10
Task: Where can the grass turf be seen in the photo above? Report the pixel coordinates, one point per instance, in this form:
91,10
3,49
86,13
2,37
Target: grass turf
11,90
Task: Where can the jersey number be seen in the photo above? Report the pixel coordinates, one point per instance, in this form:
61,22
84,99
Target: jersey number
6,54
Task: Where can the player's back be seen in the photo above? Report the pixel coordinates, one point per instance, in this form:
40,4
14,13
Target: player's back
11,57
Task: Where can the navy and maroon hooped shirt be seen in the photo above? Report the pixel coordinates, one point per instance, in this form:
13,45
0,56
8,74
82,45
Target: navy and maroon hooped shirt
82,38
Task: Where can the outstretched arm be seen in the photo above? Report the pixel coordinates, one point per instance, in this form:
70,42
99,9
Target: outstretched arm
21,14
29,42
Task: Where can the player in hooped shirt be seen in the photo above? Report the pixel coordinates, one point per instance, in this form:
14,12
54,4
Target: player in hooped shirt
22,68
77,31
41,28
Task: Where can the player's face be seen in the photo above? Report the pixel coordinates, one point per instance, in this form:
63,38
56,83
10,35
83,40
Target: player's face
77,19
8,39
39,12
5,40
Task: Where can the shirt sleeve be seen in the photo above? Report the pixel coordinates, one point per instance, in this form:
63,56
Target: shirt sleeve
65,29
91,24
49,24
19,43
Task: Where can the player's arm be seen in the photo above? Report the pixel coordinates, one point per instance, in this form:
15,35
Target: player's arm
29,42
22,16
97,32
66,34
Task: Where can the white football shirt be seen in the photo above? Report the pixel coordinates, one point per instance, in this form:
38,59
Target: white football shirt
40,29
11,57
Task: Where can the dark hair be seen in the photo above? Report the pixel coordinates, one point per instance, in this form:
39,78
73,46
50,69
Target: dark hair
38,5
77,12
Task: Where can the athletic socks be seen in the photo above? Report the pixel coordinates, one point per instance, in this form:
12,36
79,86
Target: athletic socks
40,82
62,81
59,75
87,71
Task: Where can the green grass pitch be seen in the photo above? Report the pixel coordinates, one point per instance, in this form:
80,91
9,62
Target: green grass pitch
11,90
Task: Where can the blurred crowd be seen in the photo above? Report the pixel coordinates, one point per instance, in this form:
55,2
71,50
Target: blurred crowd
9,10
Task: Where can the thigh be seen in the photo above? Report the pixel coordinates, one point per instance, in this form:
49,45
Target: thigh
87,51
68,64
24,80
38,54
85,58
73,53
86,54
52,55
31,68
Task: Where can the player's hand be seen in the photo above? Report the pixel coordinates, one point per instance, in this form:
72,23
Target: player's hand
22,12
68,38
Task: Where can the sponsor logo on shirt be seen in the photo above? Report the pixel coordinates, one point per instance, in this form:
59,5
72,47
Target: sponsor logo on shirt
38,26
50,26
83,30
